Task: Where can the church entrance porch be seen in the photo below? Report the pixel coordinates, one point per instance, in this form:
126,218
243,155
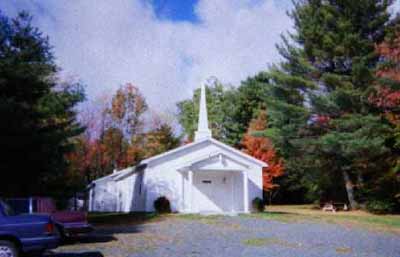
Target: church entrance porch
210,192
214,192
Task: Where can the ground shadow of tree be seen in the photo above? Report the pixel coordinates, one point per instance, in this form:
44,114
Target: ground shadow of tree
107,226
115,220
84,254
92,238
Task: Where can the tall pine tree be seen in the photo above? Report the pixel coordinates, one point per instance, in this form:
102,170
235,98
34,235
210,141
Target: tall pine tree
325,126
37,112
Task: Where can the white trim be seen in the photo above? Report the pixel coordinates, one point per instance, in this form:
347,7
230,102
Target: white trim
183,195
190,190
124,173
213,141
245,192
204,157
118,175
232,193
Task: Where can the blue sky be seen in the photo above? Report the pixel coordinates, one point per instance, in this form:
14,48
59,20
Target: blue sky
165,47
175,10
184,10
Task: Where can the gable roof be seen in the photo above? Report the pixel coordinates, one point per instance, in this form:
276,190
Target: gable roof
118,175
211,140
143,164
115,175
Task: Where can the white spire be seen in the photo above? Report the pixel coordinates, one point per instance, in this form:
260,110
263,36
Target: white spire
203,131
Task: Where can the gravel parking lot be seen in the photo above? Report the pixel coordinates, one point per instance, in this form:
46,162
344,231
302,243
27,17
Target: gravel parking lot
241,236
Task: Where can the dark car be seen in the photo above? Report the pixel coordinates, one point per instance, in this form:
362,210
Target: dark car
24,233
69,223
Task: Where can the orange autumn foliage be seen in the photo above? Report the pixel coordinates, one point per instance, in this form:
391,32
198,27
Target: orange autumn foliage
386,98
390,50
263,149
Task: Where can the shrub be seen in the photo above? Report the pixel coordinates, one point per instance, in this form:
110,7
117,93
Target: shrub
258,204
162,205
380,206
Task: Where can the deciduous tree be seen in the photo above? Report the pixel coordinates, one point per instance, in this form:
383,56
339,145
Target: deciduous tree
257,145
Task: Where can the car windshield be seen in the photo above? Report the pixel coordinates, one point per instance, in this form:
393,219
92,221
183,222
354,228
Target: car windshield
8,211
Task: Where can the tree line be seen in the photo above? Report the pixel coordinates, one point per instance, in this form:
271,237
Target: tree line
332,106
120,132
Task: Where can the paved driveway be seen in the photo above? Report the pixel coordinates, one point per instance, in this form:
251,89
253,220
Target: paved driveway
191,236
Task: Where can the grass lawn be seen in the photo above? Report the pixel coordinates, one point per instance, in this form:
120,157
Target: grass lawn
298,213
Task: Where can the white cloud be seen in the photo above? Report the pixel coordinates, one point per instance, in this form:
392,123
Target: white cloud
108,43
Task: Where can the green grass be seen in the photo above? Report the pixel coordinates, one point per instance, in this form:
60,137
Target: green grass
198,216
264,242
206,219
304,213
283,217
258,242
343,250
255,242
377,220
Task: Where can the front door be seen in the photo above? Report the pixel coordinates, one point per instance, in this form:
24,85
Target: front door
212,192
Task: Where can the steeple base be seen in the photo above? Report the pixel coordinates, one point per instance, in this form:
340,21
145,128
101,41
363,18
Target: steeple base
202,135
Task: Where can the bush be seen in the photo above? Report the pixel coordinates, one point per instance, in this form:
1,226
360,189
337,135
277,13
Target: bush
258,204
380,206
162,205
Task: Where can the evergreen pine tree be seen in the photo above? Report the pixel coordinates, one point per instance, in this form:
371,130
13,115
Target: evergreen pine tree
325,126
37,112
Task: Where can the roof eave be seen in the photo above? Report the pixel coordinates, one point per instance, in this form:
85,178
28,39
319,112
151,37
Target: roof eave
244,155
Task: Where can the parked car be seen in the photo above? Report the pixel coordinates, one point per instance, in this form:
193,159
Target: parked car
24,233
71,223
68,223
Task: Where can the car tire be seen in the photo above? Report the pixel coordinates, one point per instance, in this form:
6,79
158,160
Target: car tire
8,249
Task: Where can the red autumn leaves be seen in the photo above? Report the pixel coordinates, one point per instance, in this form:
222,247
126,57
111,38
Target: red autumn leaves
262,148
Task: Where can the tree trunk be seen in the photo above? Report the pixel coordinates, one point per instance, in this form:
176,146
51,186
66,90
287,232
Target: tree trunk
350,190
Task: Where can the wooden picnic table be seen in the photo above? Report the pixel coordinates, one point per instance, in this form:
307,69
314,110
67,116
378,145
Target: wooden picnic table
334,206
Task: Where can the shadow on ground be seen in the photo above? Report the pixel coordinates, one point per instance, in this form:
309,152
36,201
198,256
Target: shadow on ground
94,237
84,254
107,228
109,224
121,219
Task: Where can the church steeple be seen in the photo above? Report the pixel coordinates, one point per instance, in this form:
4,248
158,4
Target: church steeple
203,132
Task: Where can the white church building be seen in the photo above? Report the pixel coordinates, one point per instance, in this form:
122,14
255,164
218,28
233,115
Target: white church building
205,176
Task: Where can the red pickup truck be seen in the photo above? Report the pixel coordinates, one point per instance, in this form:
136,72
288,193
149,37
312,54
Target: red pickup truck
68,223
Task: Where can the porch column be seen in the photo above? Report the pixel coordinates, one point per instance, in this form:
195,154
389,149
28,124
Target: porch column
245,192
190,190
